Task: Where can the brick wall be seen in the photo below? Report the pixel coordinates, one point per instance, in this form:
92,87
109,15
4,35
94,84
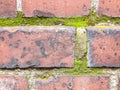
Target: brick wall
39,57
58,8
28,53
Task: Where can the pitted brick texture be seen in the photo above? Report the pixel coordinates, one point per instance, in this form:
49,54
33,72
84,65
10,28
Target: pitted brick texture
109,7
13,83
74,83
55,8
104,47
36,47
7,8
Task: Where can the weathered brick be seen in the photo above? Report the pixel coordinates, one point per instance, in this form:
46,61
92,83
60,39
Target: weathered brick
36,47
55,8
74,83
109,7
13,83
104,47
8,8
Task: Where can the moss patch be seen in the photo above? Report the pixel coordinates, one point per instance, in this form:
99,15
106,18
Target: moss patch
80,68
83,21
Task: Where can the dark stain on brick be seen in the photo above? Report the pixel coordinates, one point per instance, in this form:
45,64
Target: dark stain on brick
42,47
23,55
119,10
117,44
64,85
55,89
109,0
2,38
94,33
115,54
72,38
13,63
84,8
70,86
2,65
42,50
31,63
107,9
61,32
63,64
39,13
103,48
10,45
38,42
24,48
108,57
25,32
103,2
53,42
10,35
14,45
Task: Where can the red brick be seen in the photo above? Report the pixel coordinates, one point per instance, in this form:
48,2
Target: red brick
74,83
104,47
36,47
8,8
55,8
13,83
109,7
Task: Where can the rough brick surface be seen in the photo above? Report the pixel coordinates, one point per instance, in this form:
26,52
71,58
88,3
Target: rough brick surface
13,83
36,47
55,8
7,8
110,8
74,83
104,47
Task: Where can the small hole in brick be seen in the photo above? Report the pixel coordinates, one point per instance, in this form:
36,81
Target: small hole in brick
100,47
117,44
108,57
103,48
115,54
2,38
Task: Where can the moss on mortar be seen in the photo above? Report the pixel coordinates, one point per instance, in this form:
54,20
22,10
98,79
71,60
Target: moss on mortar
80,68
83,21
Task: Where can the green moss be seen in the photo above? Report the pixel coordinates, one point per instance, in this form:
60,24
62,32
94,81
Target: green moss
80,68
83,21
